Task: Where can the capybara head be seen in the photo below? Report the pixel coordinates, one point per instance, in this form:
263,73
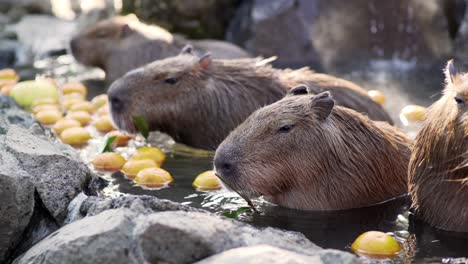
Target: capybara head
438,170
196,100
304,152
94,45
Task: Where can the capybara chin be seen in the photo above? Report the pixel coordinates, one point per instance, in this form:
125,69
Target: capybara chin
438,170
123,43
199,100
304,152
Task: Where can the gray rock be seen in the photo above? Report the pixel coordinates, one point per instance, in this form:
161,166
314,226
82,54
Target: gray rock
104,238
339,34
12,114
17,203
267,254
56,171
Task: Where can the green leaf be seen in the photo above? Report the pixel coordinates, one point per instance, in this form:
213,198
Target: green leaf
141,125
108,145
235,214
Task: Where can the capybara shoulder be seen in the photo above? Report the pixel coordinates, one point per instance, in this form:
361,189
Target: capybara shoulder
304,152
199,100
438,170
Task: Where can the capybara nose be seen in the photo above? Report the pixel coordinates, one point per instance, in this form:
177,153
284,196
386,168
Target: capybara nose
225,161
224,167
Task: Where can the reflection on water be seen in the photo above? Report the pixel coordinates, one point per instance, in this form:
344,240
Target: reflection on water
336,229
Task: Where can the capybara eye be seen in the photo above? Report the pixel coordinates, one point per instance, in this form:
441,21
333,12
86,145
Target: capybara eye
285,128
170,80
459,101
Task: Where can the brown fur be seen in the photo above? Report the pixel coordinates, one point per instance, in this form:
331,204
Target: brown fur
438,170
327,160
123,43
208,102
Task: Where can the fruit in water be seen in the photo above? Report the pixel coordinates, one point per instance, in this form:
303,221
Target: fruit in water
207,181
26,92
75,136
153,178
150,153
109,161
376,244
63,124
132,167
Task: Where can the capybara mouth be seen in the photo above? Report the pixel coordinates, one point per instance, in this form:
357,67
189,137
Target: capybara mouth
123,122
245,194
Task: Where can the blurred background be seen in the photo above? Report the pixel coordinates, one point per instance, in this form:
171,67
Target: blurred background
398,46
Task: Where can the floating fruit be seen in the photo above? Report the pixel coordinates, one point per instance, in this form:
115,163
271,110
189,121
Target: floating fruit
377,96
75,136
104,110
132,167
412,113
63,124
69,88
121,138
73,96
6,88
26,92
150,153
8,74
45,107
103,124
82,116
82,106
44,101
69,102
99,101
376,244
207,181
48,117
153,178
108,161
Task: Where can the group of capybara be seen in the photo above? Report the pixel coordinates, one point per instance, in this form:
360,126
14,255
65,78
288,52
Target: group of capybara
301,139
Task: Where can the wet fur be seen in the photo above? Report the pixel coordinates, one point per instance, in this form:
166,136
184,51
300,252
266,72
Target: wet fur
344,161
207,103
438,170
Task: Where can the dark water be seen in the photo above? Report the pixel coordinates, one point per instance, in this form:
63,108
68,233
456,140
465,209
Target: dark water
336,229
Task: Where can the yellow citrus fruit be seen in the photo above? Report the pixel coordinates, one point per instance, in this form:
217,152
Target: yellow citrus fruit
48,117
73,96
69,88
26,92
99,101
412,113
103,124
109,161
82,116
63,124
377,96
103,110
150,153
121,138
75,136
44,101
376,244
45,107
207,181
70,102
8,74
6,88
132,167
83,106
153,178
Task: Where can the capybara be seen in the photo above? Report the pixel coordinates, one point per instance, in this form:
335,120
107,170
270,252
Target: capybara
303,152
438,169
198,101
123,43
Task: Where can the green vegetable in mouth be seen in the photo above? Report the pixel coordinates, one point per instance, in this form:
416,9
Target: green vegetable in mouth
141,125
108,145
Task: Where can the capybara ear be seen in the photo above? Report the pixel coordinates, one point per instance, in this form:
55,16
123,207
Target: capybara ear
131,17
323,104
205,61
451,73
187,49
299,90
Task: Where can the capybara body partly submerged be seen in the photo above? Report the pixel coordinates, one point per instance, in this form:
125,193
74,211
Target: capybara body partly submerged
198,101
438,170
123,43
303,152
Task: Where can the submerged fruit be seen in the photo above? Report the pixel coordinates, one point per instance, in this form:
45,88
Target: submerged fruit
69,88
376,244
109,161
133,167
26,92
48,117
99,101
121,138
103,124
153,178
63,124
150,153
81,116
75,136
82,106
412,113
207,181
377,96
